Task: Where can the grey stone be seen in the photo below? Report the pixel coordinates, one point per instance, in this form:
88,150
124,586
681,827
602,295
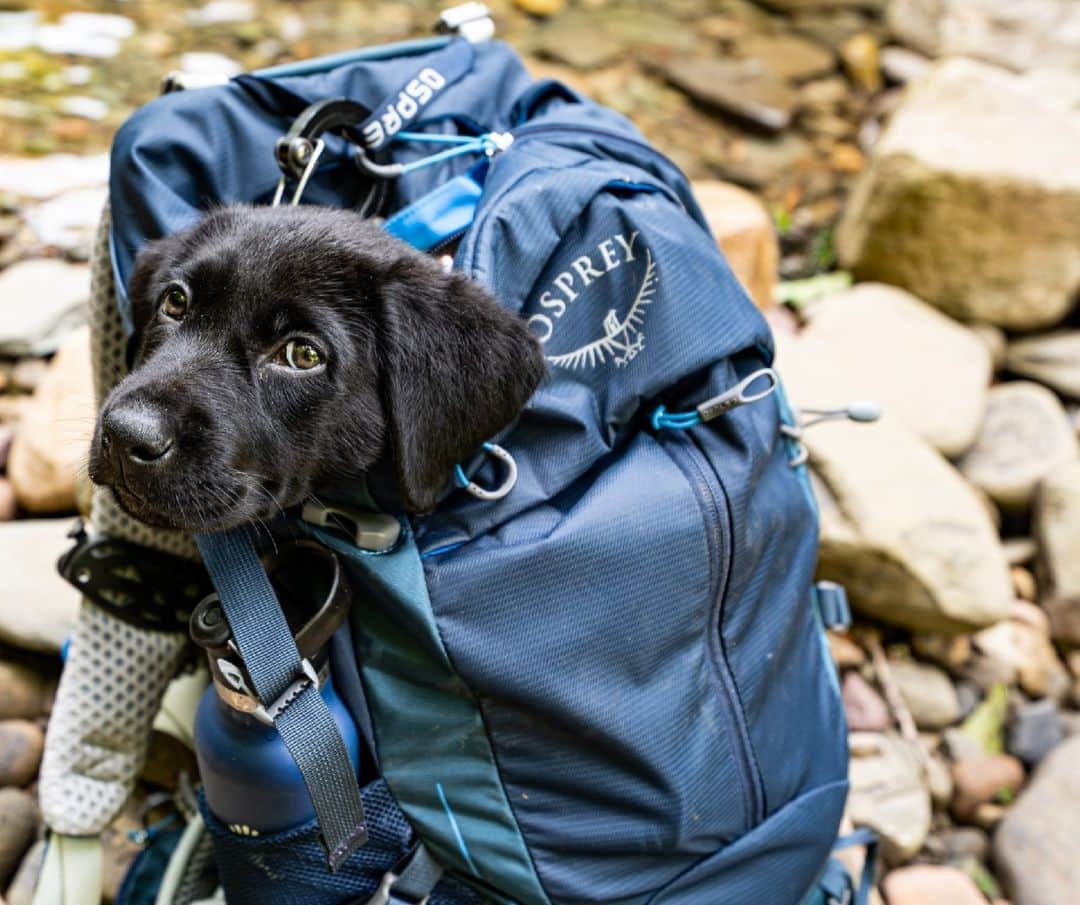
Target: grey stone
928,693
1017,34
745,90
1035,845
878,337
957,843
887,793
40,302
788,56
1052,359
969,200
21,746
18,825
1035,729
38,609
1057,526
901,529
573,39
1024,436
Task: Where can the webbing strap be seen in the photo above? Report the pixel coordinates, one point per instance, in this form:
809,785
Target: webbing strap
284,686
412,883
868,838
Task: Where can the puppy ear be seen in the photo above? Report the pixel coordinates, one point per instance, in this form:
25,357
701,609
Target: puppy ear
457,368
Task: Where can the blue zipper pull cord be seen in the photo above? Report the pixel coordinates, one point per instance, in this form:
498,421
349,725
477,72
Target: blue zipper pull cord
488,144
742,393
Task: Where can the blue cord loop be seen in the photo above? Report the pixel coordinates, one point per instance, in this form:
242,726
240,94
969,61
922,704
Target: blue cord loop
496,493
742,393
489,144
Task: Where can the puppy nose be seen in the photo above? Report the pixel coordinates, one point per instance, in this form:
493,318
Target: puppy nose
138,434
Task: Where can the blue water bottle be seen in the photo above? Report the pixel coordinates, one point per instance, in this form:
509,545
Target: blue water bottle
251,783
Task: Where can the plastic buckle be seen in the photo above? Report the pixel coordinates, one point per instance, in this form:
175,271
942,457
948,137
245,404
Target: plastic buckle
472,21
381,896
310,677
832,604
373,531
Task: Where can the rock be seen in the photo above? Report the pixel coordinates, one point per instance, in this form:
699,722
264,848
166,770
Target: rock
23,885
1035,845
68,222
862,61
1024,583
987,172
47,177
1019,551
845,652
1057,526
1024,435
38,609
995,341
744,90
957,843
221,12
54,437
1016,35
21,745
1028,613
574,40
947,651
939,781
7,434
41,301
1034,730
1028,654
788,56
23,692
866,710
28,373
900,528
887,794
8,505
927,692
930,884
1052,359
877,338
541,8
757,162
969,696
982,733
984,780
18,826
745,233
901,65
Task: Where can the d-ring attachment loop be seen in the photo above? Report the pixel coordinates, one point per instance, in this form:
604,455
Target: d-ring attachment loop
306,153
496,493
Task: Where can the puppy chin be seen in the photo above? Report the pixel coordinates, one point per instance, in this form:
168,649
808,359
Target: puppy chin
163,510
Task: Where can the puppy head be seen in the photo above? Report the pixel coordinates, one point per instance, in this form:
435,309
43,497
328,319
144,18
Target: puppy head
276,349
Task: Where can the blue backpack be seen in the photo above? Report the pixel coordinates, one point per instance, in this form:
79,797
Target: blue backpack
597,672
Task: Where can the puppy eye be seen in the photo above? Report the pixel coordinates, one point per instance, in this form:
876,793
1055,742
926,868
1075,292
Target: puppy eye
174,303
299,355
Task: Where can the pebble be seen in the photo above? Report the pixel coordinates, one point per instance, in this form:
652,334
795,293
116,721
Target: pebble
46,177
24,883
928,693
8,504
222,12
1049,358
24,694
18,826
1019,551
866,710
1024,583
7,434
901,65
1027,653
1034,730
957,843
947,651
44,300
788,56
744,90
930,884
845,652
541,8
862,61
21,746
984,780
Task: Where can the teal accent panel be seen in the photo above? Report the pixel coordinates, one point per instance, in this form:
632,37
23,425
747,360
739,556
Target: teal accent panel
428,728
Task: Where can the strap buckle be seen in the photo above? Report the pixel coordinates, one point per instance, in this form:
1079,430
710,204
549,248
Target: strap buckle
308,676
382,895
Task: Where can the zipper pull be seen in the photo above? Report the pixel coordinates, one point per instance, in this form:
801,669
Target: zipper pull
743,393
865,411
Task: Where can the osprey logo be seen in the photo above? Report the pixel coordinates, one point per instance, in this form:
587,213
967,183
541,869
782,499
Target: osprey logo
622,337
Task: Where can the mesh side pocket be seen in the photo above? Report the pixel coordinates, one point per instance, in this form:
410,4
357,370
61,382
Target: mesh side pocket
289,867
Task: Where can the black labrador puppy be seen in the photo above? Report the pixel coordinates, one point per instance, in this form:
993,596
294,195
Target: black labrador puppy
279,348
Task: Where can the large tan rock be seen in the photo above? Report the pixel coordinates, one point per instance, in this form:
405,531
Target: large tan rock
38,609
879,338
907,536
1057,524
1017,34
971,200
1035,845
744,232
53,438
1025,434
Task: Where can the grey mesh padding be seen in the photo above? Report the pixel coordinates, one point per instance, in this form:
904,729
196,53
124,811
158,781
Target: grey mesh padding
116,673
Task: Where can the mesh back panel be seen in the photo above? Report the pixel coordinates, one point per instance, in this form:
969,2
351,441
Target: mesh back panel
115,674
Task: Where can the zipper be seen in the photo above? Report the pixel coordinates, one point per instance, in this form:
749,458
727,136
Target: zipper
713,502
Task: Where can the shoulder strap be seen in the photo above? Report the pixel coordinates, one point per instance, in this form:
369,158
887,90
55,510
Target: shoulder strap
287,687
